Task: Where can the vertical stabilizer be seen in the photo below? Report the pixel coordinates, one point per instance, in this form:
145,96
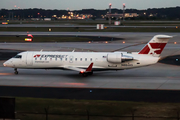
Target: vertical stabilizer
156,45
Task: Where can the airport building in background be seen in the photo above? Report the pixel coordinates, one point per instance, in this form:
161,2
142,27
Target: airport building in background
127,15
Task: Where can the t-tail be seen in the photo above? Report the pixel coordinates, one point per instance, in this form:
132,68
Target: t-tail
156,45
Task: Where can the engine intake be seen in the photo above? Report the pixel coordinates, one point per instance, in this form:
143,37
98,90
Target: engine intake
118,58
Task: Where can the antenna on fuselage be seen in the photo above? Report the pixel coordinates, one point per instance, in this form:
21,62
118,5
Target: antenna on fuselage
73,50
41,50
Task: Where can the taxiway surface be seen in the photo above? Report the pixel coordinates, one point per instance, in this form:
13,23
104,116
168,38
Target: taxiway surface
155,77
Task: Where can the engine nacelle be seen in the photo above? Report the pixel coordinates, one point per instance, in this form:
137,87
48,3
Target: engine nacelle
114,57
118,58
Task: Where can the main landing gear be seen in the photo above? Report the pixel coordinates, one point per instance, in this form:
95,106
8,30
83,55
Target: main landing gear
15,71
85,74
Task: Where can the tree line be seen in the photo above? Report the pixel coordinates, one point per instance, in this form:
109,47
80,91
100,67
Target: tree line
172,13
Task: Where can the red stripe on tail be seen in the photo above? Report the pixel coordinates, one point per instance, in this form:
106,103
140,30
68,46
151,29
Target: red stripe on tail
145,50
159,46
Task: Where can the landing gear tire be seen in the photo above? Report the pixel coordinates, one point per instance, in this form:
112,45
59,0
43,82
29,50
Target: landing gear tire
15,71
91,73
84,75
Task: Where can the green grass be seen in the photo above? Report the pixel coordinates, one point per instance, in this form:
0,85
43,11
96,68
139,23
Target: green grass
34,108
58,29
69,109
73,106
89,22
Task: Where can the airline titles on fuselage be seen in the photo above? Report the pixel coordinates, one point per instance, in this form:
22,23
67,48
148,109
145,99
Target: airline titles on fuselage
50,56
47,56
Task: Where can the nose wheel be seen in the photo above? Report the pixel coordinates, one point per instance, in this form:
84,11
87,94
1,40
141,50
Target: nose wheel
15,71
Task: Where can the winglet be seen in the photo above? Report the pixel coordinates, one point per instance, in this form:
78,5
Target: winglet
89,69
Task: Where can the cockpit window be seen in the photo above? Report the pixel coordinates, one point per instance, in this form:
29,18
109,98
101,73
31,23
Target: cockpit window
18,56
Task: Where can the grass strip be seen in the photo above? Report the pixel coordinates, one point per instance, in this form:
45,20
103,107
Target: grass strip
34,108
78,29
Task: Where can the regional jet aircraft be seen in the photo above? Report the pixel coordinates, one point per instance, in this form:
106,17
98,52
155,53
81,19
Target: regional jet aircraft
87,62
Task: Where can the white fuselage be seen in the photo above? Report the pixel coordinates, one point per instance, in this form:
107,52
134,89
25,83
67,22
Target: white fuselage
58,60
87,62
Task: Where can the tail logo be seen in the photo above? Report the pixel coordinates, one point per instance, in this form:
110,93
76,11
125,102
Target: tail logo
152,51
153,48
156,45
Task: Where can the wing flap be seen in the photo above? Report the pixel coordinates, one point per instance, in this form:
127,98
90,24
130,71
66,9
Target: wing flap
74,68
89,68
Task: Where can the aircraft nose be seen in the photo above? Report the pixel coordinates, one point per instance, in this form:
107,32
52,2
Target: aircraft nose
8,64
5,64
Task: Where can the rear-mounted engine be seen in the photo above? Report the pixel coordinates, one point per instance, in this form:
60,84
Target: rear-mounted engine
118,58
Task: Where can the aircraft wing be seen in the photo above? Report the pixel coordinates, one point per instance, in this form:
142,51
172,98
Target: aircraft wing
89,68
74,68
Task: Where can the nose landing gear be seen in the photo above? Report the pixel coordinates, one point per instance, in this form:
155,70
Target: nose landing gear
15,71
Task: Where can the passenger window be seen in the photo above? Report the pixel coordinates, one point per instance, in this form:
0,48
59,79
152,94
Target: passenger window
86,59
75,59
66,59
40,58
91,59
81,59
45,58
56,59
35,58
18,56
